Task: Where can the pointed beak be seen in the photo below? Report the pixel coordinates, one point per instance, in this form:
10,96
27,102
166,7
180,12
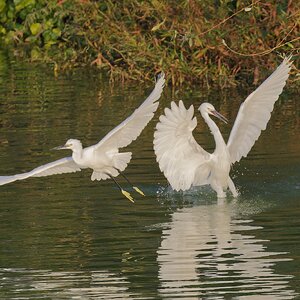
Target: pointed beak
60,147
219,116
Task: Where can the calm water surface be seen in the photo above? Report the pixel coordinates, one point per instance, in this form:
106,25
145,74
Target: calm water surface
66,237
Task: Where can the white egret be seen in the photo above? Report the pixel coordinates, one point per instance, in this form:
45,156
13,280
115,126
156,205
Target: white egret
185,163
103,158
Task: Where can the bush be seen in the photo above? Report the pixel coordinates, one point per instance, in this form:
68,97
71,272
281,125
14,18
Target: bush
134,39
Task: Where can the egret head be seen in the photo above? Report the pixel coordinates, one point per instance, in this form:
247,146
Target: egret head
70,144
208,109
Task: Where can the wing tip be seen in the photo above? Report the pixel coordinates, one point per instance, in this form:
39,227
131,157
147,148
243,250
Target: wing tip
160,75
288,60
160,80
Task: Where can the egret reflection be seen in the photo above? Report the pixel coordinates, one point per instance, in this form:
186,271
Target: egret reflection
205,251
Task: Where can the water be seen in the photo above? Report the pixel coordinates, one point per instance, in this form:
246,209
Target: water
66,237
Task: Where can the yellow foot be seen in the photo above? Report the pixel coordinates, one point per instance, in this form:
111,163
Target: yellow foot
127,195
138,190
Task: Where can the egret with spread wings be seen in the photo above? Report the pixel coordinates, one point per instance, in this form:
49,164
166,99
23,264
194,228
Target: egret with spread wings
185,163
103,158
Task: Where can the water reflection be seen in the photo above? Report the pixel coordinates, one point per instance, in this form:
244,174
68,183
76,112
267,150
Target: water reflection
207,251
65,237
40,284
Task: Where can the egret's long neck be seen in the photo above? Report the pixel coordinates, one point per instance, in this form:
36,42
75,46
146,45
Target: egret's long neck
77,153
220,143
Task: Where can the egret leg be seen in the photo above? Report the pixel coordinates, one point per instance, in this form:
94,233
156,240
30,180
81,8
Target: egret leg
134,187
221,194
232,188
125,193
219,190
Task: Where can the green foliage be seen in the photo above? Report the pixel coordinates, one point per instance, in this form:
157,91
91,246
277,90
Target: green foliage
35,28
134,39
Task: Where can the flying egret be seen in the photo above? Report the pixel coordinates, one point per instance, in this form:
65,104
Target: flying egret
185,163
103,158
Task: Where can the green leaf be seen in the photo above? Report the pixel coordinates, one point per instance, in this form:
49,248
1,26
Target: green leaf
290,45
57,32
35,53
3,18
49,44
2,30
35,28
2,5
157,26
48,24
20,4
10,14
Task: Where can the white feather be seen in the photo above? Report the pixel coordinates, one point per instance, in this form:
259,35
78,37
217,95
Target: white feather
178,154
130,129
104,157
63,165
186,164
255,112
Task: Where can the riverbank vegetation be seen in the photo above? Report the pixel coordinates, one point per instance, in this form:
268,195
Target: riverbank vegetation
195,41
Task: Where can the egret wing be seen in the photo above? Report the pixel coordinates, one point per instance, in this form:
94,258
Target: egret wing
182,160
130,129
255,112
63,165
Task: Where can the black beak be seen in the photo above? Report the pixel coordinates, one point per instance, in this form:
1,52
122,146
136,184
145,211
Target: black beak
219,116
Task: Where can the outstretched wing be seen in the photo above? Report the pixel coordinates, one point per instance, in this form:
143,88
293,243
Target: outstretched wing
131,128
180,158
255,112
64,165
